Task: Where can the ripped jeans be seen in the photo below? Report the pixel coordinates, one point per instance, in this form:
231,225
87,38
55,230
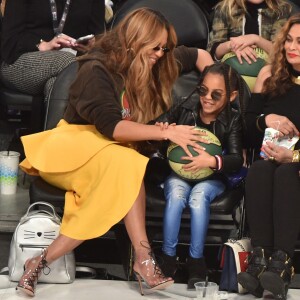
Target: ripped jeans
180,194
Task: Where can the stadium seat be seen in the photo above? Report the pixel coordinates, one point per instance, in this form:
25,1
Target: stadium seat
13,101
188,19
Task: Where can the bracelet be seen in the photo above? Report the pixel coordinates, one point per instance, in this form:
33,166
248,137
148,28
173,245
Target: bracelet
219,162
257,123
296,156
38,45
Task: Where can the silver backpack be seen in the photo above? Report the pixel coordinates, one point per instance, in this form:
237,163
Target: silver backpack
35,231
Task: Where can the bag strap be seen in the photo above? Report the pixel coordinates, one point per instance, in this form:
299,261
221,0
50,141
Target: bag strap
4,270
87,270
239,243
53,213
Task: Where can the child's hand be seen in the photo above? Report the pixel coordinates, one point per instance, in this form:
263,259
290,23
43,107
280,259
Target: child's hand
203,160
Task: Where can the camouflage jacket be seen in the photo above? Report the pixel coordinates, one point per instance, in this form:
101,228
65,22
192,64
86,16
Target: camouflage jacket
223,27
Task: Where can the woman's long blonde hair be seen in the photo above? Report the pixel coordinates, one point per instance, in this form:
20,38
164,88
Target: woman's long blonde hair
280,80
230,7
125,51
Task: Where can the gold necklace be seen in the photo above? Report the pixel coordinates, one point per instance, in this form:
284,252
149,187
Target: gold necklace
295,79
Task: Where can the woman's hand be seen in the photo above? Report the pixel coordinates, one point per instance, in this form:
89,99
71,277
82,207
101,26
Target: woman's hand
277,153
84,47
282,124
203,160
58,42
247,53
164,125
242,41
184,135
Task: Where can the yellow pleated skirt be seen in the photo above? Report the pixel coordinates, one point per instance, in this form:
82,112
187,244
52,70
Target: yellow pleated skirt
102,179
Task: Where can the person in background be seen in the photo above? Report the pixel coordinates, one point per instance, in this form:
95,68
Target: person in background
38,40
96,151
218,88
239,26
243,31
273,183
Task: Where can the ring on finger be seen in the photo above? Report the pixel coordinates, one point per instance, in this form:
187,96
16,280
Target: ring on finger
272,158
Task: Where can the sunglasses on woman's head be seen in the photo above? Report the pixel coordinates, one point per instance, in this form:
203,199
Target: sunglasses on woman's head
203,91
164,49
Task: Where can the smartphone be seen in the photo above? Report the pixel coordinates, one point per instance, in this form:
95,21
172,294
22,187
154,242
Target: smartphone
84,39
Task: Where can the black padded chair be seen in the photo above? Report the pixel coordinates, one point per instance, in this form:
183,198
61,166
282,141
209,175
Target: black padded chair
227,210
156,172
39,189
191,26
188,19
32,105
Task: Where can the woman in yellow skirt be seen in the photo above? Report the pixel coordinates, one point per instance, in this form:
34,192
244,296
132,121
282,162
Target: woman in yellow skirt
95,152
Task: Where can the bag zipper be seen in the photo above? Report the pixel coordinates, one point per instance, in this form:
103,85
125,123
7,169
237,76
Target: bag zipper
22,246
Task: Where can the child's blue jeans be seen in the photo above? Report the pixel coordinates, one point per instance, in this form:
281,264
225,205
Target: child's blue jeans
180,194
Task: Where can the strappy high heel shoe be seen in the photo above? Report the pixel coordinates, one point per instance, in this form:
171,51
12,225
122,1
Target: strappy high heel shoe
32,270
150,273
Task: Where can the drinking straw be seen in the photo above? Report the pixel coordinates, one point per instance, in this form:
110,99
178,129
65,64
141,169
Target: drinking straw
206,283
10,144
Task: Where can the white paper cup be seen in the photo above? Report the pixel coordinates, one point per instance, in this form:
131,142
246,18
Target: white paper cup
208,292
9,166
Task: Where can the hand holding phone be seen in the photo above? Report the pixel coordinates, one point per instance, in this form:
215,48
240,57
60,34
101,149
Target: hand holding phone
84,39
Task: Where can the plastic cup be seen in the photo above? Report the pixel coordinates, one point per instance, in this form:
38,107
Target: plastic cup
207,290
9,166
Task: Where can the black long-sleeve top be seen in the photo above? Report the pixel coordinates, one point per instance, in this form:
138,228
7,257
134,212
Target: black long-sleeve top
26,22
286,105
228,129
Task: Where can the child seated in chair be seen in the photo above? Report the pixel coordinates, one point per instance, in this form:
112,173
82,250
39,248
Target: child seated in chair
218,88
